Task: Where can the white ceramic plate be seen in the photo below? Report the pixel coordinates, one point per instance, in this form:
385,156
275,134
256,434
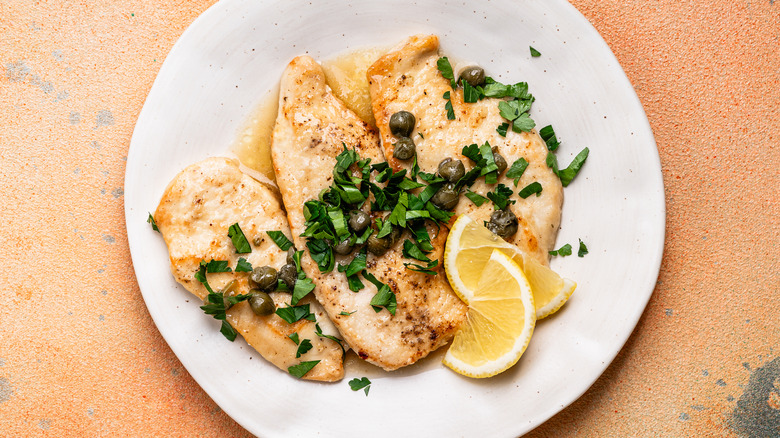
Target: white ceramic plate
224,65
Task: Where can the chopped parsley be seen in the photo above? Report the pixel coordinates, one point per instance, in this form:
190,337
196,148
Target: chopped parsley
531,189
302,368
361,383
563,251
476,198
150,220
445,68
280,240
548,135
448,106
567,175
217,305
582,250
517,169
303,345
534,53
343,313
293,314
500,197
239,240
243,266
384,298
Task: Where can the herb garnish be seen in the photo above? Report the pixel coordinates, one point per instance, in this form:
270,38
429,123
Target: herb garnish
534,53
384,296
448,106
582,250
217,305
150,220
517,169
476,198
280,240
563,251
361,383
243,266
445,68
531,189
302,368
548,135
303,346
239,240
567,175
501,196
293,314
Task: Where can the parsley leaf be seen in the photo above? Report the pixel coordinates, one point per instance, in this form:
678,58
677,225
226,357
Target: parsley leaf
502,129
358,384
582,250
302,288
501,196
445,68
243,266
476,198
534,53
531,189
524,123
302,368
412,251
517,169
295,313
548,135
427,269
294,338
280,240
239,240
563,251
303,347
384,296
568,174
210,267
448,106
151,221
470,94
343,313
217,305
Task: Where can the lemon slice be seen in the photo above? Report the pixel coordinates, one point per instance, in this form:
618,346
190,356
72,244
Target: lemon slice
469,246
500,320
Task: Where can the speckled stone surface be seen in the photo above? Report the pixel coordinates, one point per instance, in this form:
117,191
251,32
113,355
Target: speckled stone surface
80,355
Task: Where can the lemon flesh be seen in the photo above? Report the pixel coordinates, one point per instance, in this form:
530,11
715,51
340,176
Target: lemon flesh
500,320
469,246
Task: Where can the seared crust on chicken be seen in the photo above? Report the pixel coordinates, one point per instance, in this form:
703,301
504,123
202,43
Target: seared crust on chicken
194,215
407,78
311,130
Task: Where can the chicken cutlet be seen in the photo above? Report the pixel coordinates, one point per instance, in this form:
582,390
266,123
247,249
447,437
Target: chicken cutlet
194,216
407,78
312,129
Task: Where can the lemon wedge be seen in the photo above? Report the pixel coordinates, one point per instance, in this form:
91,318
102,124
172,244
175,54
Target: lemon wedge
469,246
500,320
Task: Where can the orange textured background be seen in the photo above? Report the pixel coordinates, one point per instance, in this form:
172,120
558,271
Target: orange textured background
80,355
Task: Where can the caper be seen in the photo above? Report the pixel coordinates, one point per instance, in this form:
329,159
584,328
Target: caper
404,148
379,245
402,123
499,160
474,75
257,240
230,288
261,303
344,247
289,275
451,170
395,234
291,255
446,197
359,220
266,277
503,223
